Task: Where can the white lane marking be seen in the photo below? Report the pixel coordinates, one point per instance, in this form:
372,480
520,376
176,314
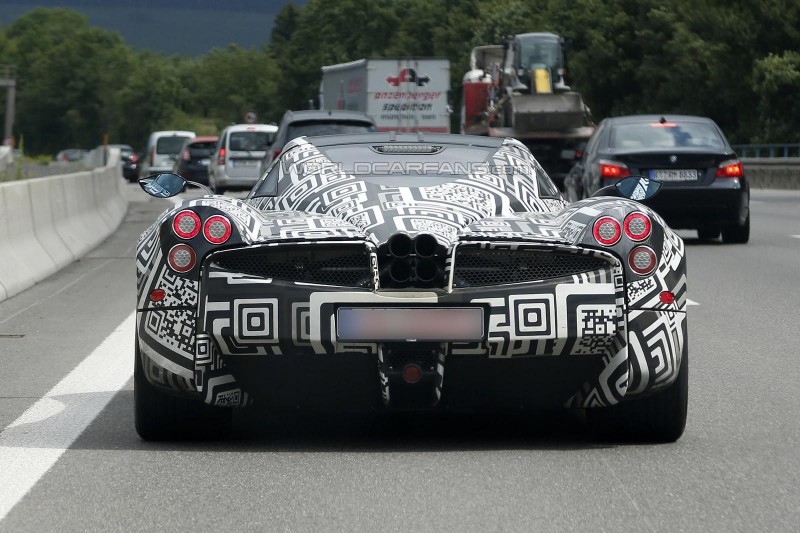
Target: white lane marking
32,444
691,302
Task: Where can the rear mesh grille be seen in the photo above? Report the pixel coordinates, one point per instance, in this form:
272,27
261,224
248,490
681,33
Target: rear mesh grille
340,265
475,267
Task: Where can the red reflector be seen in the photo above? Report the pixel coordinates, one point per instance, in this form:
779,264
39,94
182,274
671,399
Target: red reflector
156,295
637,226
730,169
667,298
642,260
181,258
613,170
186,224
412,373
607,231
217,229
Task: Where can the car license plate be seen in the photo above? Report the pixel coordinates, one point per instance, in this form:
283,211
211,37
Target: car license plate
244,163
409,324
204,162
673,174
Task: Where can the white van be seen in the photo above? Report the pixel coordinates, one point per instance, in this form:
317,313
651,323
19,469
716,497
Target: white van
237,161
163,148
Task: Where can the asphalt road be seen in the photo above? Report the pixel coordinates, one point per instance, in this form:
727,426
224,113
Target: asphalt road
71,460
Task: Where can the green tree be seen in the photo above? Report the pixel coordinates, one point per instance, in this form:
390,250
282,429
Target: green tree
777,84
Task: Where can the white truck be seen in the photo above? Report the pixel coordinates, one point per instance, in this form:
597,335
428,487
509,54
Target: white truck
406,94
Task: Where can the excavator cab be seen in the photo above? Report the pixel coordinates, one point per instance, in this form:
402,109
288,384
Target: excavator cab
535,63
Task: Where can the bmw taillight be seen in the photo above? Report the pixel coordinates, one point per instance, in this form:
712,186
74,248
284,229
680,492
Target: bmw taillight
217,229
642,260
613,170
730,169
221,157
607,231
637,226
181,258
186,224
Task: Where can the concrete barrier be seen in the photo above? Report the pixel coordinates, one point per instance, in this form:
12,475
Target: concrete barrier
47,223
772,173
6,157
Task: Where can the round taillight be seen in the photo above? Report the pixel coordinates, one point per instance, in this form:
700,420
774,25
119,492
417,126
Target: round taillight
217,229
642,260
637,226
412,373
181,258
667,297
186,224
607,231
157,295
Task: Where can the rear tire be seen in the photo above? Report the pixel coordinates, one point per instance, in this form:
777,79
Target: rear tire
737,234
657,418
707,234
160,416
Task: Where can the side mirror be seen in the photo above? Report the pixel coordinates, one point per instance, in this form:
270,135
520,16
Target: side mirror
636,188
164,185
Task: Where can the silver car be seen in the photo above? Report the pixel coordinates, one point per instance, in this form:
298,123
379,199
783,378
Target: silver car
236,162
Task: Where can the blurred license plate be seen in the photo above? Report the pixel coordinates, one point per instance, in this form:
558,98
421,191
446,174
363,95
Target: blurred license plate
204,162
674,174
404,323
244,163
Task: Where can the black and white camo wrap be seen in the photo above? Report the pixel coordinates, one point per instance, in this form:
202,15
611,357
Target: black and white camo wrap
612,312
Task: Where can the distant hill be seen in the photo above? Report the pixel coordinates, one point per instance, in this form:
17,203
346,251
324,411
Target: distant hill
184,27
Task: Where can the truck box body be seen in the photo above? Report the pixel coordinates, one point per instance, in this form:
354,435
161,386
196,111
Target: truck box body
399,94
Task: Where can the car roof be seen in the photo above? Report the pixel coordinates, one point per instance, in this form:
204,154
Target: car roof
329,114
657,118
252,127
406,138
171,133
206,139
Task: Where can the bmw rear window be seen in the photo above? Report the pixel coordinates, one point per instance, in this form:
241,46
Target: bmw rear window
667,134
170,145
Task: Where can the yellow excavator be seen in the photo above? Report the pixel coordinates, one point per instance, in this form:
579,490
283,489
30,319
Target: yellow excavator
517,89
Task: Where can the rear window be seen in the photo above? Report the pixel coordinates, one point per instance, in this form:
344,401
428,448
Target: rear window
202,149
450,161
644,135
170,145
327,127
249,141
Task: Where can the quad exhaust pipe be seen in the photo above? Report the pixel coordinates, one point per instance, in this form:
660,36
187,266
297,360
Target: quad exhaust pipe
411,260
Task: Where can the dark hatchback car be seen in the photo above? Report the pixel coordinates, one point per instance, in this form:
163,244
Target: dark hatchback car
130,161
314,123
704,186
195,156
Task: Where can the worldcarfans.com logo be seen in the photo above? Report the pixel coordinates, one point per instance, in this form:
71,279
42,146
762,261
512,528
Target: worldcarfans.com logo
415,168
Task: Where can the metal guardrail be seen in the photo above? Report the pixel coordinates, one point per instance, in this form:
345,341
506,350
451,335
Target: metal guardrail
767,150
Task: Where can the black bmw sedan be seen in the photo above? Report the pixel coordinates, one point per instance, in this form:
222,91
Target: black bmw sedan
704,186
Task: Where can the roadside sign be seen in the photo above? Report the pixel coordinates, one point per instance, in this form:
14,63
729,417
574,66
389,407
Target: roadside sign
250,117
